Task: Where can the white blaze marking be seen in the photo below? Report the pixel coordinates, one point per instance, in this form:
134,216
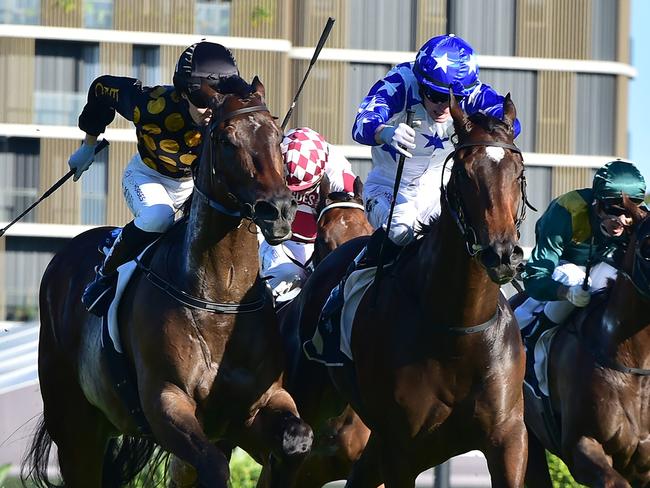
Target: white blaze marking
496,154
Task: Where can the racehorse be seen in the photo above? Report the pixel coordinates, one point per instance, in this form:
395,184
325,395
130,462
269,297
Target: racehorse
341,217
438,361
197,327
599,381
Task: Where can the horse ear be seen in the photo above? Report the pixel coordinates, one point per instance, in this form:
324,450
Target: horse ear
258,87
637,213
214,98
461,122
358,187
509,111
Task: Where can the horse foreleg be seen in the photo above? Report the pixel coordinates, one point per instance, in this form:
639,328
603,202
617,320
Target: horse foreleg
183,475
366,471
507,454
591,466
281,437
172,417
537,475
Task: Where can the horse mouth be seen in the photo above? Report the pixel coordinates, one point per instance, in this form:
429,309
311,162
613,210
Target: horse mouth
275,240
501,274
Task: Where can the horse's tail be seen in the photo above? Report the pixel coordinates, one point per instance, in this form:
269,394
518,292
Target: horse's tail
127,456
37,459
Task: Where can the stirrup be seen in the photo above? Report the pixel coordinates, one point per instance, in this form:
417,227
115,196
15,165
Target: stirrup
99,293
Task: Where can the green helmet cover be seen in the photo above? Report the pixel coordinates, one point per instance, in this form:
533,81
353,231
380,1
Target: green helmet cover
618,177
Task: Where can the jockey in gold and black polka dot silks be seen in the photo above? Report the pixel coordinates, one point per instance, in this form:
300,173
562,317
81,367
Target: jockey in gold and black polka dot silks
168,139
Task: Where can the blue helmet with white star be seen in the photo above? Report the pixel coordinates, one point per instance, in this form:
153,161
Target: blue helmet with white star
446,61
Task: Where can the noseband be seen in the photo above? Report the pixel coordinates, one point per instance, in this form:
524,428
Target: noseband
243,210
455,203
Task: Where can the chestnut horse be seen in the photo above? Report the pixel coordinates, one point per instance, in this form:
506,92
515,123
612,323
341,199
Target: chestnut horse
599,381
438,361
197,328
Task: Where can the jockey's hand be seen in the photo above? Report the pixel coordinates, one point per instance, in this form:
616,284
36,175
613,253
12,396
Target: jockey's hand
81,159
579,297
401,138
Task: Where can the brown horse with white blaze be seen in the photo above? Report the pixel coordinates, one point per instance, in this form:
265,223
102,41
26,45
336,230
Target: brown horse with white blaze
197,328
599,381
438,361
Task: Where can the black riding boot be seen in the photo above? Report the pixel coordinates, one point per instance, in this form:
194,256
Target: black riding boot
99,293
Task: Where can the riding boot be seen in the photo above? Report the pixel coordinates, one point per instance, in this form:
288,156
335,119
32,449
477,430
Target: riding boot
130,242
542,324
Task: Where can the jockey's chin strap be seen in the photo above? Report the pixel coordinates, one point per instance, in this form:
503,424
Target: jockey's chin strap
456,205
242,210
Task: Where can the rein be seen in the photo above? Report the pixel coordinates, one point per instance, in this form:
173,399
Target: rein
455,202
475,328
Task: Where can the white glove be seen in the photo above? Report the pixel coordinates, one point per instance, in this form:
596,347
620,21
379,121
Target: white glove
578,296
402,135
81,159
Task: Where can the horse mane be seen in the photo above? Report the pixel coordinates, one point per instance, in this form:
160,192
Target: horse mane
489,123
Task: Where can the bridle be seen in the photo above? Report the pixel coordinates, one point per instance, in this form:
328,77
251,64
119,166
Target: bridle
454,201
242,210
334,205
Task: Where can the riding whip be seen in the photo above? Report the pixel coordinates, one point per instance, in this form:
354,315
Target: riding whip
319,46
398,179
585,283
100,145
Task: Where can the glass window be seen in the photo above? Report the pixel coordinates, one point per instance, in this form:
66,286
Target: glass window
212,17
361,167
595,115
20,12
94,188
25,261
64,71
522,86
385,25
98,14
604,25
146,64
19,169
488,25
540,180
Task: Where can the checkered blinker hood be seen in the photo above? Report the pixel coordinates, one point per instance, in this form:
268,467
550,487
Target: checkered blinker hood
305,155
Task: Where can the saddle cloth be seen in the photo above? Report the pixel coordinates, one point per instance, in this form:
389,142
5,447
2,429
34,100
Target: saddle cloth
330,344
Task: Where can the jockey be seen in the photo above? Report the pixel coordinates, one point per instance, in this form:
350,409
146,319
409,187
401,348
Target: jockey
168,122
307,157
583,225
423,87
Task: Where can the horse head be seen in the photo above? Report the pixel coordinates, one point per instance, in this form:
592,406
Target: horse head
636,263
486,190
241,170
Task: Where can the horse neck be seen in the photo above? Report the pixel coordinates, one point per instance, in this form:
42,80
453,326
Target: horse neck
220,255
455,287
625,326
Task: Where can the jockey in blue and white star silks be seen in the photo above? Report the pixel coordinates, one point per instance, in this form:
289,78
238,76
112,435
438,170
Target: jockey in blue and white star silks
421,86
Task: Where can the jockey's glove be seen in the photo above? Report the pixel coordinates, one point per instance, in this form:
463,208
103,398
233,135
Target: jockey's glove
579,297
401,138
81,159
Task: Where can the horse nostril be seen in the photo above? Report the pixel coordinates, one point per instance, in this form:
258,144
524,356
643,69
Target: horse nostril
289,209
266,211
490,258
517,256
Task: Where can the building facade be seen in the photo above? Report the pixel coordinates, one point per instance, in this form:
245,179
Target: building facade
565,62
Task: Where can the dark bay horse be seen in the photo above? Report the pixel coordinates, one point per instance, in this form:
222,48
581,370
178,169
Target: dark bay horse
341,217
438,360
599,381
207,369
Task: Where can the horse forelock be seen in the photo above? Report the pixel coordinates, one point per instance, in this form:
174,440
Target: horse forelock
492,125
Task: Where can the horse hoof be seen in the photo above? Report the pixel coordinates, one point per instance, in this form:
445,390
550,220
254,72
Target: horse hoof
297,439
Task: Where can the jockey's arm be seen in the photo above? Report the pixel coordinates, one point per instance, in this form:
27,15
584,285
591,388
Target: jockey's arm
486,100
107,95
339,171
552,232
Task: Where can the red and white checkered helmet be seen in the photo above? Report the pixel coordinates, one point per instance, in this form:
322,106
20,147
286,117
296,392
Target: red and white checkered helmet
305,154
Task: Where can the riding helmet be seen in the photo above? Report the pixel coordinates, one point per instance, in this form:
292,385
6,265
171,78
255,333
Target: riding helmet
618,177
203,61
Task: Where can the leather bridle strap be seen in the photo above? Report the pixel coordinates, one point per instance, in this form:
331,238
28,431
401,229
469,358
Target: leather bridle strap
339,205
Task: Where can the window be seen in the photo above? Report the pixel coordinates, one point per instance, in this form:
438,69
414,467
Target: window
384,25
604,25
19,169
596,114
212,17
20,12
539,192
98,14
146,64
94,188
64,71
488,25
25,261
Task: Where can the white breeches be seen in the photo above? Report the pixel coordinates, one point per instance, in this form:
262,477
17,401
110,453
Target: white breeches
153,198
285,277
568,274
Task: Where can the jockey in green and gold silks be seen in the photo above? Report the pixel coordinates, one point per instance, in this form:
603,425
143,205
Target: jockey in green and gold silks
588,224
